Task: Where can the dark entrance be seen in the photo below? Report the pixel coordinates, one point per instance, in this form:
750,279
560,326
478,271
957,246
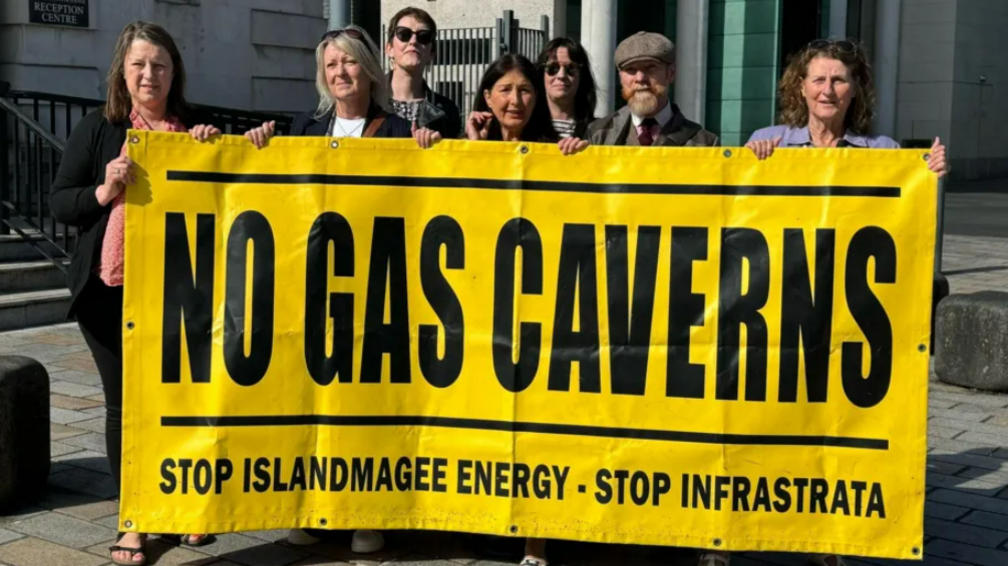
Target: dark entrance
801,22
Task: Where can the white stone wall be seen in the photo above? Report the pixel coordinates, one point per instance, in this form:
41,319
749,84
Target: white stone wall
243,54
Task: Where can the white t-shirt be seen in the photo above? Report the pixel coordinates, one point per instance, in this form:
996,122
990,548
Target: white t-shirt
344,128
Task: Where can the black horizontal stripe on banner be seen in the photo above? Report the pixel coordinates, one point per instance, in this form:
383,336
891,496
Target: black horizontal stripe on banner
552,186
542,428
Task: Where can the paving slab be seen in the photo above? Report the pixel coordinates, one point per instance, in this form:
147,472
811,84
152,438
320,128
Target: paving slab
72,403
7,536
30,551
86,481
64,530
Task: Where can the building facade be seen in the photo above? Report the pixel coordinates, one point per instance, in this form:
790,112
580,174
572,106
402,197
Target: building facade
938,63
243,54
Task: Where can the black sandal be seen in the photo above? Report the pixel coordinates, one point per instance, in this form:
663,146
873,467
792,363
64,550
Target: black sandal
132,551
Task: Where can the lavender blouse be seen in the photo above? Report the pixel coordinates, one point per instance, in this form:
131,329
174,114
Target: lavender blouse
799,137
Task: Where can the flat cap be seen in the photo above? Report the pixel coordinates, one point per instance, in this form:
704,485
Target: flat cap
644,45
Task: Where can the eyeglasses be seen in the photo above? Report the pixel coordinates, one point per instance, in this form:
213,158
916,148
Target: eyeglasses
843,45
405,34
553,68
349,32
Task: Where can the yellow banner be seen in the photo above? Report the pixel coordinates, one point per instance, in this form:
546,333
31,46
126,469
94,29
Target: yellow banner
655,346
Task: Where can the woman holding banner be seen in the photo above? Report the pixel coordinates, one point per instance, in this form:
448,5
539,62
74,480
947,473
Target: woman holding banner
411,47
353,96
827,99
146,91
510,106
353,102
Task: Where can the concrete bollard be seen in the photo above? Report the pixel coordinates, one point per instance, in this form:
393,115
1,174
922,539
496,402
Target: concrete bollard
971,348
24,431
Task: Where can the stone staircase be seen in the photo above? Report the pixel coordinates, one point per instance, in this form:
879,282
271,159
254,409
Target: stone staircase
33,290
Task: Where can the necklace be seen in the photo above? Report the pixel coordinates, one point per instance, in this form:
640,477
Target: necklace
347,134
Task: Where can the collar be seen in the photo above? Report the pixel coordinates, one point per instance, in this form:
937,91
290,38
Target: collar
800,137
428,93
663,116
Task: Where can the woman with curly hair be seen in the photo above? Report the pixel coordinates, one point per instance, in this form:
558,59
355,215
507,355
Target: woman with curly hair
827,99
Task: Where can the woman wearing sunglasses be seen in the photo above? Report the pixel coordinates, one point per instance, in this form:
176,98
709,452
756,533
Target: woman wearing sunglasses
570,86
411,47
353,95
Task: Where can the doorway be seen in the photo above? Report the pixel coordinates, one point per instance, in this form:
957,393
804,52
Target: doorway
801,22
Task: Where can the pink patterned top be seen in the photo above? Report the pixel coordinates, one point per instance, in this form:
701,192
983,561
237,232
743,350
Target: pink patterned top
110,267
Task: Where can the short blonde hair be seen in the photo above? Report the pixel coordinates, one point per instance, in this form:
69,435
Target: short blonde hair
365,52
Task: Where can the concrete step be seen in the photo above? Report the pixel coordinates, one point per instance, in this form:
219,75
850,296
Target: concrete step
19,277
33,308
14,248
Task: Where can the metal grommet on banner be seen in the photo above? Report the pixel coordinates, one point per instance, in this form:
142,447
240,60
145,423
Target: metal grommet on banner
915,551
130,325
323,521
727,153
514,529
334,144
135,139
717,542
927,156
524,149
921,348
128,524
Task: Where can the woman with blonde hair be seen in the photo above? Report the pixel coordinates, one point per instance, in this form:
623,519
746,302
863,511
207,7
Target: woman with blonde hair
353,95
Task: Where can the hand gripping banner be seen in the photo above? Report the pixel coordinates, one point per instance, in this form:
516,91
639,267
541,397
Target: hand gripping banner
654,346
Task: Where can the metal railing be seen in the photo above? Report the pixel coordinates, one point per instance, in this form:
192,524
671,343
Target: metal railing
33,127
34,153
464,53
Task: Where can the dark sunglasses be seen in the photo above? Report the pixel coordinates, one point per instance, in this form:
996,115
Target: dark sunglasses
843,45
423,36
553,68
349,32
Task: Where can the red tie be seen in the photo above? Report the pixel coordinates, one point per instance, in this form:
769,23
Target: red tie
645,136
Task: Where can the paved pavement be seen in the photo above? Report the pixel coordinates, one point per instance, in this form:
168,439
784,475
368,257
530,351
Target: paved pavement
966,516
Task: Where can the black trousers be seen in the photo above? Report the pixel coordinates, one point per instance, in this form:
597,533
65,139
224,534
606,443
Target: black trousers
99,315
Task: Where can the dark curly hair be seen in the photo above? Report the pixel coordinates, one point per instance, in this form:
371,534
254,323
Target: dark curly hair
793,108
586,96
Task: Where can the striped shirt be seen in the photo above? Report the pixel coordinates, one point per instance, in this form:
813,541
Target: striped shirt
565,128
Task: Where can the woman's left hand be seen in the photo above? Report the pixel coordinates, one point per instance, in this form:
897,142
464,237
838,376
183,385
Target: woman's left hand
936,161
203,132
425,137
570,146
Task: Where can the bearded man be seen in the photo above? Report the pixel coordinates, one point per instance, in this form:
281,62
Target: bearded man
646,63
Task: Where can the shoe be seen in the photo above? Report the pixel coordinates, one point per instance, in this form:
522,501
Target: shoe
366,542
715,559
298,537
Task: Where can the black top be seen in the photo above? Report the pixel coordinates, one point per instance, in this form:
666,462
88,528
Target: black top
307,124
435,111
72,198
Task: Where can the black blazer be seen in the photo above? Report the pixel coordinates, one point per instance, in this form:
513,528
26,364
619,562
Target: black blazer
93,143
393,127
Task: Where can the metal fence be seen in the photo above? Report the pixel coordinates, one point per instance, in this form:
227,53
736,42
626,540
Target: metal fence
462,54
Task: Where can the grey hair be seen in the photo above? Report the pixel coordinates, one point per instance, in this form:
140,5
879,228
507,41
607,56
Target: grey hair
365,52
